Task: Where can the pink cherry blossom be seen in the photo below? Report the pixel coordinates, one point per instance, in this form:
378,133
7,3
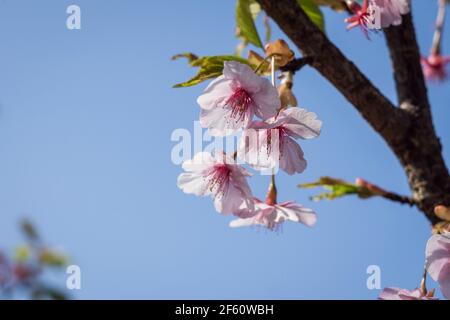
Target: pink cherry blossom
272,216
391,11
403,294
361,18
434,67
375,14
270,144
219,177
230,101
438,261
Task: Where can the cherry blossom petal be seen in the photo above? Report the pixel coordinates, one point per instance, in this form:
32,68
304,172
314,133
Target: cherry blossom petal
292,160
243,76
272,216
221,122
438,261
403,294
199,162
296,213
391,11
264,215
193,183
389,294
438,254
238,223
218,176
444,281
236,197
253,148
267,100
215,94
301,123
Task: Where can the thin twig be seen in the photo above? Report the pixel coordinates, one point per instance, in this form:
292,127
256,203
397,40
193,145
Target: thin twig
399,198
440,20
297,64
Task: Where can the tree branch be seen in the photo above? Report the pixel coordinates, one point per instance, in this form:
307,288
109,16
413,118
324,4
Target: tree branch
405,56
337,188
421,153
399,198
297,64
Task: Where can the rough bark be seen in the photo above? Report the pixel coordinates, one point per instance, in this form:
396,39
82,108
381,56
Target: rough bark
407,129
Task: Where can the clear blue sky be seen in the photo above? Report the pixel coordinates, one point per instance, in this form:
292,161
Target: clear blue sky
85,124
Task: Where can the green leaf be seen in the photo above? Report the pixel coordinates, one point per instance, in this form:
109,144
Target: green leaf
338,188
246,23
54,258
314,13
29,231
209,67
188,55
22,254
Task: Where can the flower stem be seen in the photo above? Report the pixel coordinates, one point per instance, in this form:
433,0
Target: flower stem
264,62
423,283
272,70
440,20
273,187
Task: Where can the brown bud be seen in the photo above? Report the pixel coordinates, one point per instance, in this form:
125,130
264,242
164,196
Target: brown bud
287,97
370,186
271,197
442,212
280,50
430,294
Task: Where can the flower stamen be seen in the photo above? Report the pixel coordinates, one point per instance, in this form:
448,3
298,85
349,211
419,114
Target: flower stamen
239,102
217,178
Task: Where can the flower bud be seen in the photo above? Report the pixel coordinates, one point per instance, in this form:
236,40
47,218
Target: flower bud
271,198
442,212
287,97
369,186
281,51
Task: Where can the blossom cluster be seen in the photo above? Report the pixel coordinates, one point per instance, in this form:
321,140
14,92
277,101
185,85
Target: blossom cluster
374,15
22,274
228,106
377,14
16,274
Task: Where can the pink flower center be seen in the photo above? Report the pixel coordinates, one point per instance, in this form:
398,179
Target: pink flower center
239,102
218,177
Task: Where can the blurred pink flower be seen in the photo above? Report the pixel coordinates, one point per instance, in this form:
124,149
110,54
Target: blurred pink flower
438,261
361,17
270,144
24,273
5,270
434,67
403,294
391,11
219,177
376,14
230,101
272,216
